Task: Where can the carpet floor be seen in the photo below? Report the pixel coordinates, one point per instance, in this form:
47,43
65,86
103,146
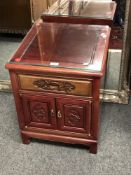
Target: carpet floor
8,45
49,158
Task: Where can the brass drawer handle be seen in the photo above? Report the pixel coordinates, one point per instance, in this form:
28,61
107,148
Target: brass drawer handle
59,114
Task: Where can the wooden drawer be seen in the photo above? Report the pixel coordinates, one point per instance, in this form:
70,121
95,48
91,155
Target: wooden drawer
57,85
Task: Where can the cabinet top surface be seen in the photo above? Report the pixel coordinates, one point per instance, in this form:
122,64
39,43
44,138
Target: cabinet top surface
68,46
82,9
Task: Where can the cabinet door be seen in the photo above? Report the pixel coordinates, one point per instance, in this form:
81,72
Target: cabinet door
39,111
74,115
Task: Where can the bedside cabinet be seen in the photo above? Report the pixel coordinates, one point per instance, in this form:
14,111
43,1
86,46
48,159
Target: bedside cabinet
55,76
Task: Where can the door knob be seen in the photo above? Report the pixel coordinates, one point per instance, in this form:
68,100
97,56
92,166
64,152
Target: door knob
59,114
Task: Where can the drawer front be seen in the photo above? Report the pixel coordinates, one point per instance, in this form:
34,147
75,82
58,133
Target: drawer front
57,85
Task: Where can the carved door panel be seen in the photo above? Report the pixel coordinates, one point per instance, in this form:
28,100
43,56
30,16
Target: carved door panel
39,111
74,115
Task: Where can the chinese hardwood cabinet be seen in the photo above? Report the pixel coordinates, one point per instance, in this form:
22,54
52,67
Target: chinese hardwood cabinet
55,76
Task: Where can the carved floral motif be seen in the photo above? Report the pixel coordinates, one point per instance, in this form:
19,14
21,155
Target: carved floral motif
38,113
73,118
54,85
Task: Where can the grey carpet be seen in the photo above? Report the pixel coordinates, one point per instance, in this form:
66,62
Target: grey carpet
8,44
47,158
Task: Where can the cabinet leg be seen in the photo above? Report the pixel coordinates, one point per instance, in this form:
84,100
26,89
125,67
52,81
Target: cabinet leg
25,139
93,148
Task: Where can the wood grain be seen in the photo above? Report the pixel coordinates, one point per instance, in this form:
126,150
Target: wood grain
82,88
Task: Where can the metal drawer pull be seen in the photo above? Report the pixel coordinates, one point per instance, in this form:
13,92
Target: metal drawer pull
52,113
59,114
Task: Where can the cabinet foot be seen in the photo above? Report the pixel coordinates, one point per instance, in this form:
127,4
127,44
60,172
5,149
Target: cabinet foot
25,139
93,148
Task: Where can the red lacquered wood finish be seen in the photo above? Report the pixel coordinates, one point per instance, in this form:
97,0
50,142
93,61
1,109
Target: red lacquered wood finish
74,115
56,82
39,111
